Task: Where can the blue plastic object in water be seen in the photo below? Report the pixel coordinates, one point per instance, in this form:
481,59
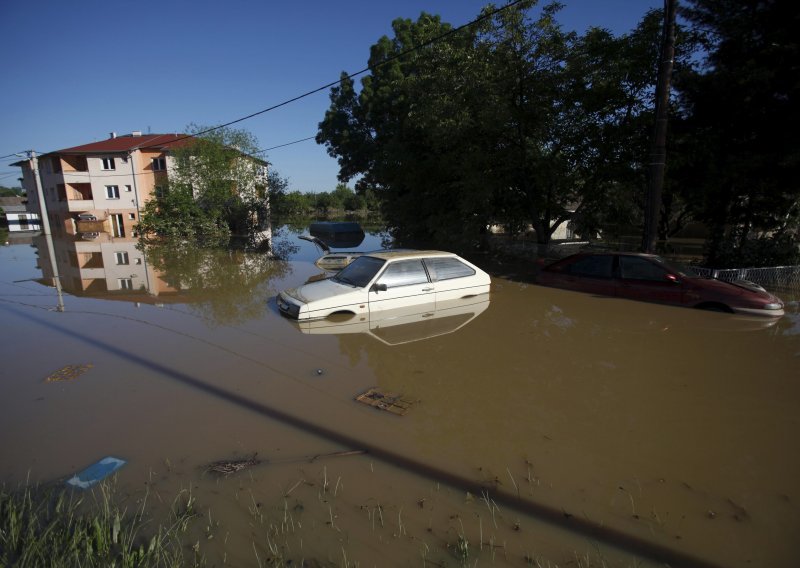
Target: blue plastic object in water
96,472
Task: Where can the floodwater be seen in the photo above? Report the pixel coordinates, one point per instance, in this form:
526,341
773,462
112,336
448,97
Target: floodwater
543,426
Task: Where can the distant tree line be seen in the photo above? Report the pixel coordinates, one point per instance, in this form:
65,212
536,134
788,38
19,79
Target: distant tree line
515,121
342,201
11,191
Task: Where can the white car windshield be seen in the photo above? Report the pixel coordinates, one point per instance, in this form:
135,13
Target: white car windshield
360,272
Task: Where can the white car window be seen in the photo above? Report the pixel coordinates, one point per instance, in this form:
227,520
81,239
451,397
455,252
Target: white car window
360,271
447,268
404,273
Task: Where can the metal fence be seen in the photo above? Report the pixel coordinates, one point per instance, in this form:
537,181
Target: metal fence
770,277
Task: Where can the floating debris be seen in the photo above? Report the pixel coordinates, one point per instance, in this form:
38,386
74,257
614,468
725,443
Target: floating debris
96,472
68,373
390,402
337,454
740,513
227,467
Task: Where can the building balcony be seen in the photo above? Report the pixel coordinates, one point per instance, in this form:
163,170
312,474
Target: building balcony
75,177
79,205
90,227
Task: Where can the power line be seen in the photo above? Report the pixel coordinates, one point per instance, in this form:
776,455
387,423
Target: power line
352,75
326,86
287,144
14,155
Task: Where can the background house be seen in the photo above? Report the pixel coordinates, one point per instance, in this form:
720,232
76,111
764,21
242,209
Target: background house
17,216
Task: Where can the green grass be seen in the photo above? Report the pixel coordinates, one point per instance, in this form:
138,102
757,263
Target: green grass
49,527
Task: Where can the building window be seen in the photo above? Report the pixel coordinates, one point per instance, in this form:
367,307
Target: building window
117,226
132,216
159,191
159,164
125,283
137,261
112,191
108,164
128,188
122,257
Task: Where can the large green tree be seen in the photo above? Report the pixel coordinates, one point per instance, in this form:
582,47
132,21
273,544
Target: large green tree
512,120
402,136
741,110
575,116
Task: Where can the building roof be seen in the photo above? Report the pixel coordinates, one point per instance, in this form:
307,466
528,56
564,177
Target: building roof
129,142
14,208
6,202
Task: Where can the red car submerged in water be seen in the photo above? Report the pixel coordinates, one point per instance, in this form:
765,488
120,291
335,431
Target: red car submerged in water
650,278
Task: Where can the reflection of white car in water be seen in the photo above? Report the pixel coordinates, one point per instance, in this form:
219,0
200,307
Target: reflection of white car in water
387,280
402,325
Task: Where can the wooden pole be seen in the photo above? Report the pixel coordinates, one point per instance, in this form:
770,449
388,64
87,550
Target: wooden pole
658,151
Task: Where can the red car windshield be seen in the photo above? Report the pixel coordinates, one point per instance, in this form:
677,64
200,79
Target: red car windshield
676,268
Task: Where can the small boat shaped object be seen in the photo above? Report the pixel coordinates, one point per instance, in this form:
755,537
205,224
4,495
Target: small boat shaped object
333,261
336,260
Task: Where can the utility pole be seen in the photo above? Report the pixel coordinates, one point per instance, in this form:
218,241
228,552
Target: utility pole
34,163
658,151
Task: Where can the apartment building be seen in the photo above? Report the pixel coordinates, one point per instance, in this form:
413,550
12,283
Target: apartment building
100,188
93,196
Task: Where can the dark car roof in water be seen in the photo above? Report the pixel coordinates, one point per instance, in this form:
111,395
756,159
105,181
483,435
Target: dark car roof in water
335,226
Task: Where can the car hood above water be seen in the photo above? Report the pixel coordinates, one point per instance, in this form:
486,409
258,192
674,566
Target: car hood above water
733,289
322,290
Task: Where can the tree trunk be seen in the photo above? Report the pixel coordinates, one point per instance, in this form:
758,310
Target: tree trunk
658,153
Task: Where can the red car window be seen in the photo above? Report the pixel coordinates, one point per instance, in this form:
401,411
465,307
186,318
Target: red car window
634,268
595,266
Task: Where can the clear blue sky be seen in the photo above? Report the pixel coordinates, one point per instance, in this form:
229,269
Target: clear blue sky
76,70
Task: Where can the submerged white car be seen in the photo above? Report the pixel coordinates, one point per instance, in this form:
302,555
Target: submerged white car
386,280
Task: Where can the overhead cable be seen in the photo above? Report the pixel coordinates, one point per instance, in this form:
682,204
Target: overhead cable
282,145
352,75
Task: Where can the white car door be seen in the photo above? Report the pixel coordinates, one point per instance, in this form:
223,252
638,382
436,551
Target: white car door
403,283
455,278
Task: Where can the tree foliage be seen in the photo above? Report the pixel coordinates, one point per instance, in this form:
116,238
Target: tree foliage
341,201
11,191
216,186
512,120
739,112
516,121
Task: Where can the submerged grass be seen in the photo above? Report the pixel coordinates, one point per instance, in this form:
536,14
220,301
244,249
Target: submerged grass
320,524
42,527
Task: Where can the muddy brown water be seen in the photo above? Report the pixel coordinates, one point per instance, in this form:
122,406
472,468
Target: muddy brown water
545,426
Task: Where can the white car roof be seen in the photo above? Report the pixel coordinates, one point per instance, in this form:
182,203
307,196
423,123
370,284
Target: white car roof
395,254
